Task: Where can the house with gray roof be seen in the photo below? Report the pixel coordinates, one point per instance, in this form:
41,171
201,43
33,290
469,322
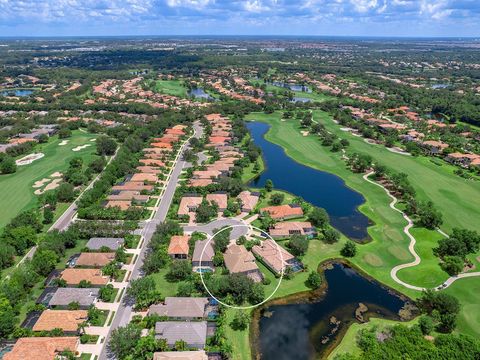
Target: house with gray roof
181,308
206,263
111,243
193,333
84,296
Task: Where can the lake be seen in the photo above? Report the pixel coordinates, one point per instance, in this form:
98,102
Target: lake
200,93
308,329
16,92
292,87
317,187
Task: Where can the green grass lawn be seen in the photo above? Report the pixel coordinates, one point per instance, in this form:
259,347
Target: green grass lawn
430,274
389,245
171,87
165,287
349,341
16,191
249,173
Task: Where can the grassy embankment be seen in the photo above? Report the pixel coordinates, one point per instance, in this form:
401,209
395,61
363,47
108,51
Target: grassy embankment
16,191
451,194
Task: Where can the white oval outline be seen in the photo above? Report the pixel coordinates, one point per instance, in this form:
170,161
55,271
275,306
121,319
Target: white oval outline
274,290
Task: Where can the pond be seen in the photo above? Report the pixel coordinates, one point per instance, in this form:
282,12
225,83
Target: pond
317,187
16,92
292,87
301,99
308,329
200,93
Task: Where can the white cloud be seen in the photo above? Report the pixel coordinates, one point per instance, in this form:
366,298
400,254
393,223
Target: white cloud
195,4
364,5
255,6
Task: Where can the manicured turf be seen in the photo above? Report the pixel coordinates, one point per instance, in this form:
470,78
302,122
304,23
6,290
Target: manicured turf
451,194
430,274
468,292
171,87
16,192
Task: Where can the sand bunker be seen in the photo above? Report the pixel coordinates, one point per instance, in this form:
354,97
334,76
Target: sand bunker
81,147
51,186
397,150
346,129
40,183
93,140
370,141
56,174
29,159
64,142
305,133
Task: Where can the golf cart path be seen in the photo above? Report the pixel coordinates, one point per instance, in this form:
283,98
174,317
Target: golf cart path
411,248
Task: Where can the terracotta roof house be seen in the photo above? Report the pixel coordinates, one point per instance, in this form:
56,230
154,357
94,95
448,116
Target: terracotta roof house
74,276
180,355
434,147
239,260
189,204
206,174
249,200
175,131
283,212
67,320
178,247
181,308
219,140
128,196
220,199
96,243
149,169
123,205
161,145
133,186
200,182
269,252
83,296
151,178
194,333
461,159
152,162
41,348
391,127
288,228
206,263
90,259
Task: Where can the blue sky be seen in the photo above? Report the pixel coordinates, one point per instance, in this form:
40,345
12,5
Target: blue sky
246,17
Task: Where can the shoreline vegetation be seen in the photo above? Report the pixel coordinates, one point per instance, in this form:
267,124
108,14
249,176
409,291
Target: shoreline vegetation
318,295
385,225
